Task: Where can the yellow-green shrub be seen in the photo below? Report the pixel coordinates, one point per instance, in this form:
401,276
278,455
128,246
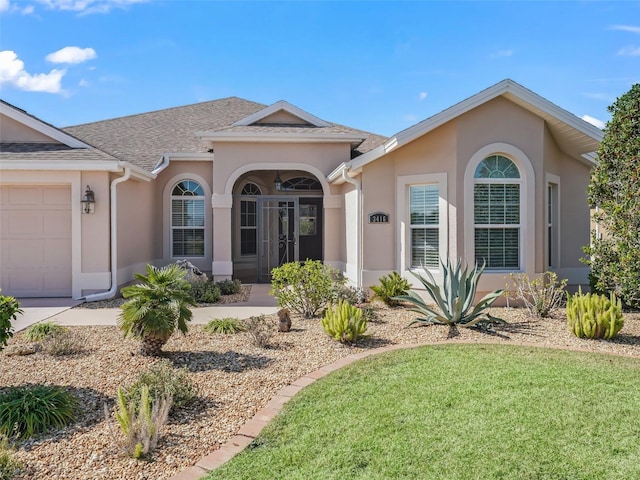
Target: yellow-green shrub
594,316
344,322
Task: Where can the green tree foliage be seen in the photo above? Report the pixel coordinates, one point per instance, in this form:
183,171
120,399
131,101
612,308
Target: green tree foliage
9,310
615,190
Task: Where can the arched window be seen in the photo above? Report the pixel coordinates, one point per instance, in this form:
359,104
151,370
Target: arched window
301,183
187,220
496,213
249,219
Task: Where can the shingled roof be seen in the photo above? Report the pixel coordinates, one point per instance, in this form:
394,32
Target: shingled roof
144,138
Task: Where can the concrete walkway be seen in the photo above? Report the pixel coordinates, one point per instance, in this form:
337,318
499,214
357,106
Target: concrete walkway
60,310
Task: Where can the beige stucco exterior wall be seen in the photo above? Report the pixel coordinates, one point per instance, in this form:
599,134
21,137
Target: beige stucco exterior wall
447,151
16,132
233,160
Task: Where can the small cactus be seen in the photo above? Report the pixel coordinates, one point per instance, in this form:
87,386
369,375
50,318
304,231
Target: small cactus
594,316
344,322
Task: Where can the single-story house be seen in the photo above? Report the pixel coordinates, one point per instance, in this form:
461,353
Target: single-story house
238,188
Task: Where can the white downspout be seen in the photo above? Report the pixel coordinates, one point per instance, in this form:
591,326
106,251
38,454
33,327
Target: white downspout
359,245
114,242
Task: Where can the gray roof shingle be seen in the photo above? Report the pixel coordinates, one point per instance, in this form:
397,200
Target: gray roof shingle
26,152
142,139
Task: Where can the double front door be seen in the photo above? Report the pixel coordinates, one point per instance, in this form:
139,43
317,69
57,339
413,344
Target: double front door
289,229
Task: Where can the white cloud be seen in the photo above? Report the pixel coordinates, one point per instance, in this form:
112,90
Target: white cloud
502,53
88,6
28,10
593,121
626,28
422,95
72,55
4,5
83,83
599,96
409,117
12,72
629,51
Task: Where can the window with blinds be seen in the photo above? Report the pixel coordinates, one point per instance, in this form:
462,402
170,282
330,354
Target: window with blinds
424,225
496,213
187,220
249,220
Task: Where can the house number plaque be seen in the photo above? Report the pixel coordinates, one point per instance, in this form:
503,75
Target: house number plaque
378,217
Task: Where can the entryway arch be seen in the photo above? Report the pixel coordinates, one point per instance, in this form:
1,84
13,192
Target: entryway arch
277,217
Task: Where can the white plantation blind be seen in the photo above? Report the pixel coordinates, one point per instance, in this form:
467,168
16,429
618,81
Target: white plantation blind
187,220
496,213
424,225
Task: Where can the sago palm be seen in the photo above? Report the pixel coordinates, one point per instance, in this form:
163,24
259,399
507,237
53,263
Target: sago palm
156,307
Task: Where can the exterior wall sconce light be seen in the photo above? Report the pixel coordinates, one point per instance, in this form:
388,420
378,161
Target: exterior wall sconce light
88,201
277,182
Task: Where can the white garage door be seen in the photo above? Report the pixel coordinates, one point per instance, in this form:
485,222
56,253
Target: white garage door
35,240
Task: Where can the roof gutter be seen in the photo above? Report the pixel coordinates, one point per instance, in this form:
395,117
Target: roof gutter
358,184
114,242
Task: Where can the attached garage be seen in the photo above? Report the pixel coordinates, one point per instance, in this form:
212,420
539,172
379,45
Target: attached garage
35,240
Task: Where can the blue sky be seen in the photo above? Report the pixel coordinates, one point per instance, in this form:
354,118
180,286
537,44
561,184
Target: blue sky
378,66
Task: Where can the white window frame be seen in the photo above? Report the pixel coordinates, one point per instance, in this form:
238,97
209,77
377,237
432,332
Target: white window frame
552,221
175,228
403,212
500,226
249,198
204,263
493,279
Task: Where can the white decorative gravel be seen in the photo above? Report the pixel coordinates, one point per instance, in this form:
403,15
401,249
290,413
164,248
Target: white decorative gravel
234,380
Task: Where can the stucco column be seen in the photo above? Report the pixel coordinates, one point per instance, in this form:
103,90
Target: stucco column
222,265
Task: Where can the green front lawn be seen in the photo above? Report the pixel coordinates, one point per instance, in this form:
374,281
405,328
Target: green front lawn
458,412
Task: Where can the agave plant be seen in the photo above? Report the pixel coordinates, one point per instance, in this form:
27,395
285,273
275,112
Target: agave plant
156,307
454,299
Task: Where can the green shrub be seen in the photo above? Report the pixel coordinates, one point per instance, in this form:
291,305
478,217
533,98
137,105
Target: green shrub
205,292
9,310
304,287
9,466
63,342
391,286
229,287
161,379
39,331
594,316
539,296
454,299
260,331
32,409
353,295
344,322
224,325
141,420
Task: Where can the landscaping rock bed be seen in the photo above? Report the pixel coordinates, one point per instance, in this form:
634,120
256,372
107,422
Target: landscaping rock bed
234,379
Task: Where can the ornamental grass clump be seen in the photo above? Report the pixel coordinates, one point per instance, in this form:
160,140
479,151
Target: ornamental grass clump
344,322
224,325
142,421
29,410
454,298
39,331
594,316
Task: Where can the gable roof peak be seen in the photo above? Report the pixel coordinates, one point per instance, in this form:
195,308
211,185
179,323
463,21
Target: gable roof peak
303,116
